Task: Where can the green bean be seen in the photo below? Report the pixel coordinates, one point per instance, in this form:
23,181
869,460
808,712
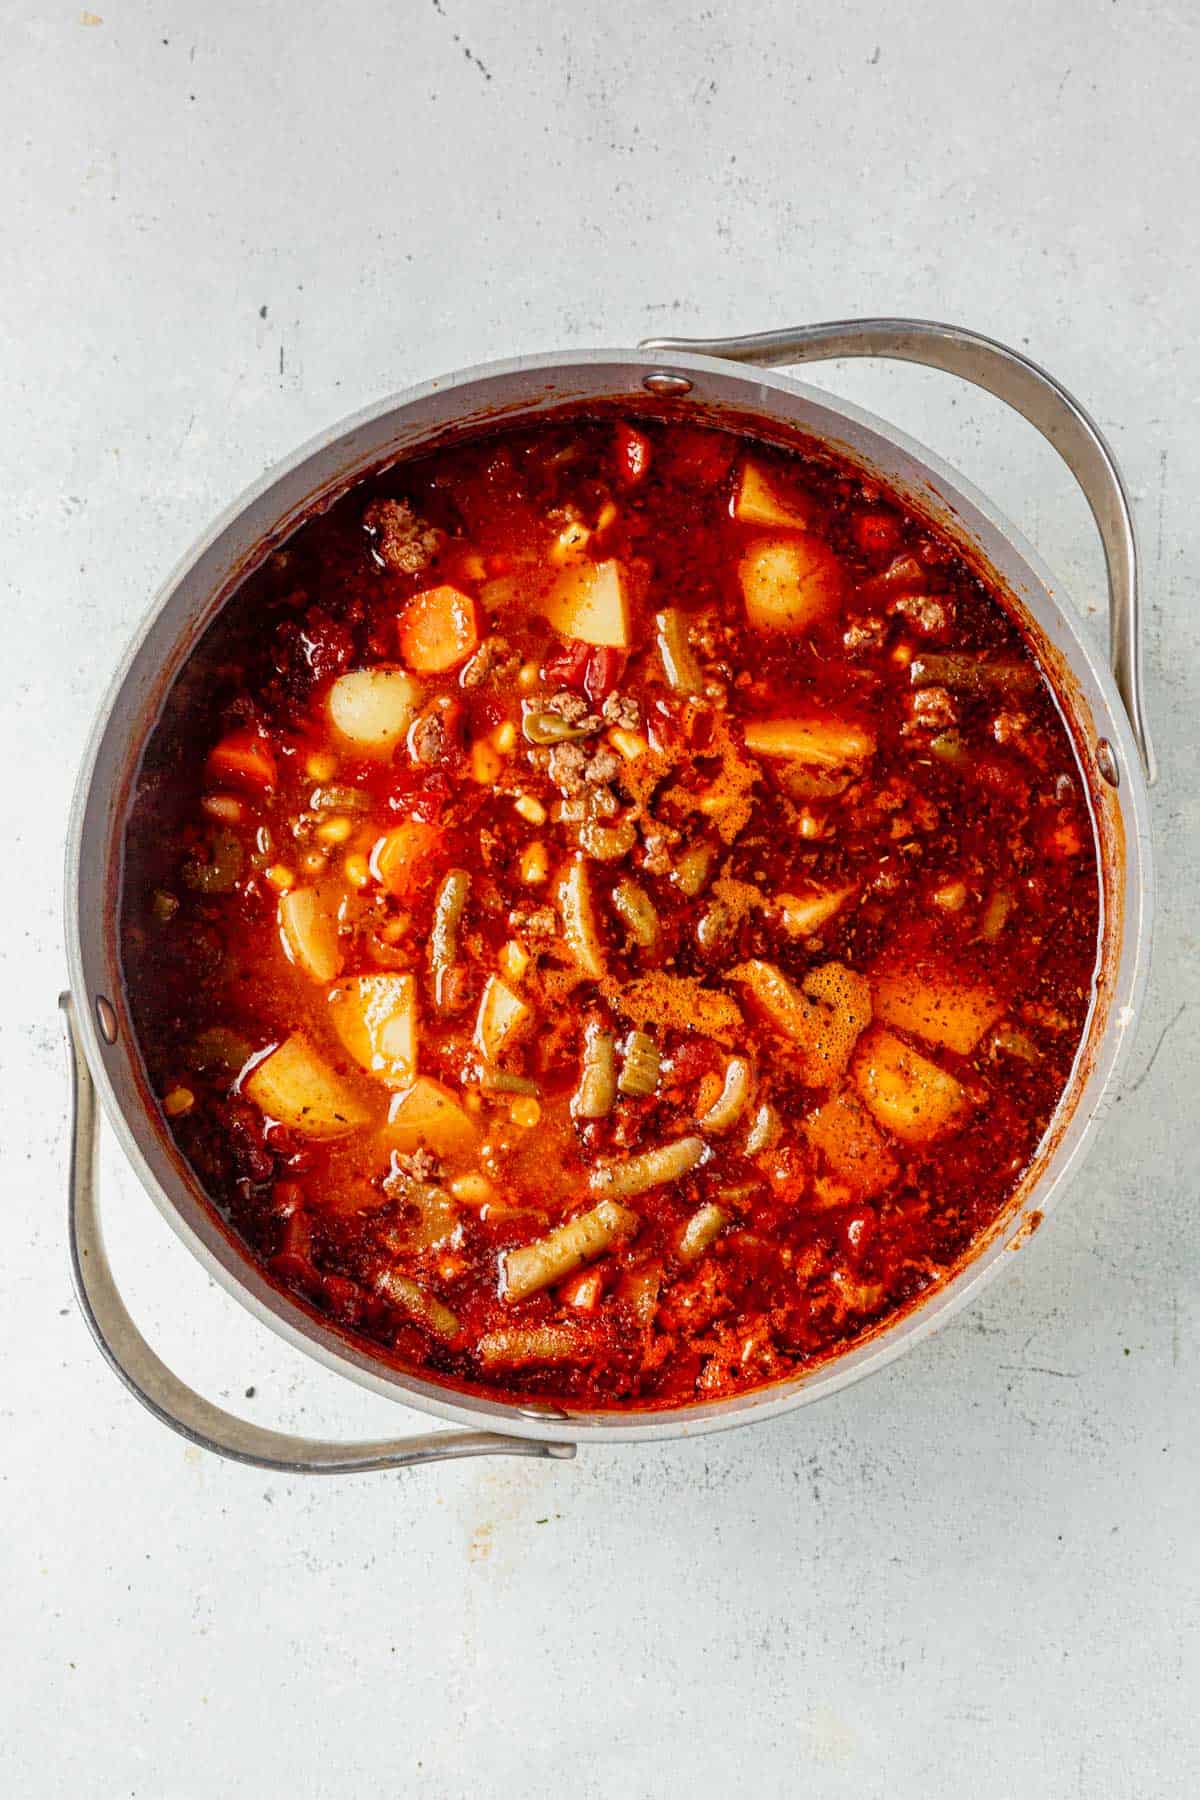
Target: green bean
693,868
219,1051
220,872
682,671
504,1081
733,1099
701,1229
448,910
1013,1042
338,798
638,913
949,748
597,1088
996,913
648,1169
639,1070
532,1267
764,1129
410,1297
714,925
972,674
552,728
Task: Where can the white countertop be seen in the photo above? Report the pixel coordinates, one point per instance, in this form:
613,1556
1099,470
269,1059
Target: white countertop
222,228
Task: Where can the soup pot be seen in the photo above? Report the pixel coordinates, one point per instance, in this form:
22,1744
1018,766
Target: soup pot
704,381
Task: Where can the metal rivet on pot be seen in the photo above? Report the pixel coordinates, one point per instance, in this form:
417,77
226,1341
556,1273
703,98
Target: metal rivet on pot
662,382
542,1412
106,1019
1106,762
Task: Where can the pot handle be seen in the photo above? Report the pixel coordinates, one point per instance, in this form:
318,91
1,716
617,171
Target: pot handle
1029,390
170,1400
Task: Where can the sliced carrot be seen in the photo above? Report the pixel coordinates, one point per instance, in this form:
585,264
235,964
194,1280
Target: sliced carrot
402,859
439,629
244,757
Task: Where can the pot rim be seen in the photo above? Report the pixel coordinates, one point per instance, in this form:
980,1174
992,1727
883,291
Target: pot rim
1093,1086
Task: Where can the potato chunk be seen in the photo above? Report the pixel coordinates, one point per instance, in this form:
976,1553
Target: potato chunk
941,1008
755,502
308,928
578,915
908,1095
502,1017
428,1116
789,583
590,601
854,1149
376,1018
818,743
296,1086
823,1018
373,708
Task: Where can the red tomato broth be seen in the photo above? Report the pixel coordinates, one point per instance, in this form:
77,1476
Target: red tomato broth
960,841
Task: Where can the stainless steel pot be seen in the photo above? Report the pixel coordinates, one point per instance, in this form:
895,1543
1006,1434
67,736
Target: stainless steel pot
1103,709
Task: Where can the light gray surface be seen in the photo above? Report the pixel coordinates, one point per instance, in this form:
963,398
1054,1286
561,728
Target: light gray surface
977,1574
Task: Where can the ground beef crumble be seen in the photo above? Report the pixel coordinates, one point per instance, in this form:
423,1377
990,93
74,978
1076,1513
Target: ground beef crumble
401,541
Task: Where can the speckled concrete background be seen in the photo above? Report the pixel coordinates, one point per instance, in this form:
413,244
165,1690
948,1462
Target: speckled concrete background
222,227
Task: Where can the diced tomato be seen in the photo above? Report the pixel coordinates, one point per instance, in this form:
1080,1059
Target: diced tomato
567,667
876,532
1000,778
323,647
603,671
439,629
582,1290
245,758
420,796
403,859
632,453
702,457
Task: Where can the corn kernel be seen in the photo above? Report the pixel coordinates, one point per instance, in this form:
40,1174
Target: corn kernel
530,809
529,676
514,960
320,766
902,655
570,542
629,744
951,896
608,513
357,870
485,763
473,1189
473,1102
281,877
335,830
392,930
178,1101
525,1111
505,737
535,864
472,567
223,806
313,862
811,825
